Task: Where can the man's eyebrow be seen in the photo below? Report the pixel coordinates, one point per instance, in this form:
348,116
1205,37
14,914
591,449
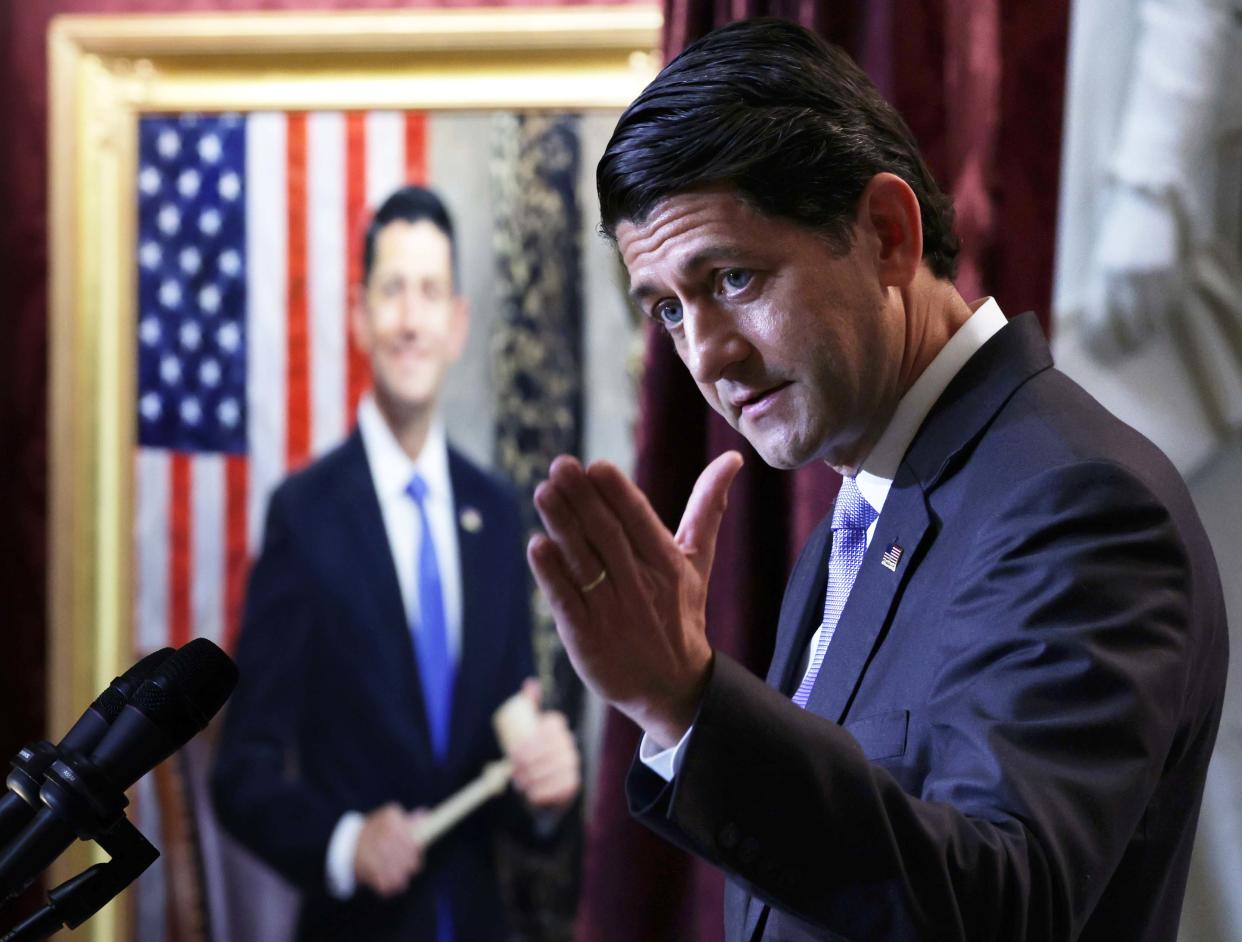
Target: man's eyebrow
701,259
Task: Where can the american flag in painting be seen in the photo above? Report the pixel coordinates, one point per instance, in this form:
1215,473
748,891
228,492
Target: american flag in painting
248,232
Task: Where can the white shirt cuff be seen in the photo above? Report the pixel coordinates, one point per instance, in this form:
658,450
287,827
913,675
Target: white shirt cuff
339,868
665,763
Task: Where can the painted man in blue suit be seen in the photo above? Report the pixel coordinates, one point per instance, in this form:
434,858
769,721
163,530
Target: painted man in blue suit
386,619
1000,663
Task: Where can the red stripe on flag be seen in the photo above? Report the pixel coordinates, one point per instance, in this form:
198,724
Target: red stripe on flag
358,370
416,146
297,391
236,561
180,555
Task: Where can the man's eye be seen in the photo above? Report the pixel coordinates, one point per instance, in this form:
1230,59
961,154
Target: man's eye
668,313
735,279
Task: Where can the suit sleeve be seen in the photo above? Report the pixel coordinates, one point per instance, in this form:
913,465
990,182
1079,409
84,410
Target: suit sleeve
257,790
1062,676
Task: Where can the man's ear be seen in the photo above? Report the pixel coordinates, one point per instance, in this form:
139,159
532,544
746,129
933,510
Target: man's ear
459,326
889,214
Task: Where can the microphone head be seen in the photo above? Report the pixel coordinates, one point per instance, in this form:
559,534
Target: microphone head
188,689
111,702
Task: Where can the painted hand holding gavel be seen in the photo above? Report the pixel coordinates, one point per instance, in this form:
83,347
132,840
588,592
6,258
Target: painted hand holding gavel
540,759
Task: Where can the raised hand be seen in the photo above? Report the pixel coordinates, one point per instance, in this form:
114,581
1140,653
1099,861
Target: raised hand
629,597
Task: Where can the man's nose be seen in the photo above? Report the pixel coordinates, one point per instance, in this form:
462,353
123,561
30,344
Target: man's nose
713,342
411,311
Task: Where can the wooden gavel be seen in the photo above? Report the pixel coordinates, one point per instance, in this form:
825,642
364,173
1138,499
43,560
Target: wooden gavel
513,722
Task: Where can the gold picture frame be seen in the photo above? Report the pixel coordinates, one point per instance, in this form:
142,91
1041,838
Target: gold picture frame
106,71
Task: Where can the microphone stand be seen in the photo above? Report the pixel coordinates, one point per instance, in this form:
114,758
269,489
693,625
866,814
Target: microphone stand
79,898
94,809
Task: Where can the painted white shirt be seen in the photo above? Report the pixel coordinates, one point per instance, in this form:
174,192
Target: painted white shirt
880,466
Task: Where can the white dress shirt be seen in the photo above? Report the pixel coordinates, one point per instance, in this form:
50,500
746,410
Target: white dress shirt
391,472
880,466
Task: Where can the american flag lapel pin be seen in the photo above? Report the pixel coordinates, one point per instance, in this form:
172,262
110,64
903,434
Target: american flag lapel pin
891,557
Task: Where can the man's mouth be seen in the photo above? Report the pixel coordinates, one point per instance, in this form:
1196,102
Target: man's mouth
752,404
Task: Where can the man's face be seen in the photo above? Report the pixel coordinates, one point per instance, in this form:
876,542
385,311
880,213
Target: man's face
795,345
410,321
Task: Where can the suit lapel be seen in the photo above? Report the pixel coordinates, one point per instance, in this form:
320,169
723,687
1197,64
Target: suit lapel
756,910
801,608
474,670
900,531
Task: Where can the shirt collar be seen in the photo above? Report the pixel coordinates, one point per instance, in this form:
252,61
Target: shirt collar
391,468
880,466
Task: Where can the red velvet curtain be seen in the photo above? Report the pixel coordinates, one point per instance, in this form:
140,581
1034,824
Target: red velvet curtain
981,84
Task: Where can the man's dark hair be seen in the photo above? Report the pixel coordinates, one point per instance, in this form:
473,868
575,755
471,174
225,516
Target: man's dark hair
409,204
783,117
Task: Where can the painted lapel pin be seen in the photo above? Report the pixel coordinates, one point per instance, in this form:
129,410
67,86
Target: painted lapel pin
891,557
470,519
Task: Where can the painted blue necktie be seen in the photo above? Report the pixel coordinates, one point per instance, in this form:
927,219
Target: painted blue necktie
430,630
435,667
850,519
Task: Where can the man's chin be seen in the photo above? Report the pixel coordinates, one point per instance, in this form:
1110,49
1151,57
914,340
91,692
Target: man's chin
405,402
784,455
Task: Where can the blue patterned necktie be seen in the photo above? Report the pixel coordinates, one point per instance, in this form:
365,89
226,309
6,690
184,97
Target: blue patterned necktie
850,519
430,630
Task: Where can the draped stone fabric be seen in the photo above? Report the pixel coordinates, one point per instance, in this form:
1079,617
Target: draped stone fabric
537,371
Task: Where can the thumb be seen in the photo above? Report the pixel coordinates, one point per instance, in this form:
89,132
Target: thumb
700,524
532,690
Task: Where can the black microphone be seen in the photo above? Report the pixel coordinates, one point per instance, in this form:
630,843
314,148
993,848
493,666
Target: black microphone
85,796
22,801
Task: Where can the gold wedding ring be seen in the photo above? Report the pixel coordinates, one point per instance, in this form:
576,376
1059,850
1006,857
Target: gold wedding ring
603,574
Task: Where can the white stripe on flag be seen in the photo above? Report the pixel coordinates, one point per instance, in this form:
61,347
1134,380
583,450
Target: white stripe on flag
385,155
207,508
151,552
266,288
325,196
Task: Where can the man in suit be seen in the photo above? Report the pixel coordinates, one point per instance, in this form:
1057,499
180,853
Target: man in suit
386,619
1000,663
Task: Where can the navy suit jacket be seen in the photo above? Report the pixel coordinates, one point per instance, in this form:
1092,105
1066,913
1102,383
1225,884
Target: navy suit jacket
1009,734
328,716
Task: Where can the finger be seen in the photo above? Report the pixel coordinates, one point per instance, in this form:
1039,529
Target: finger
700,524
554,581
553,790
598,523
645,529
541,766
531,758
550,752
546,774
566,530
532,690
